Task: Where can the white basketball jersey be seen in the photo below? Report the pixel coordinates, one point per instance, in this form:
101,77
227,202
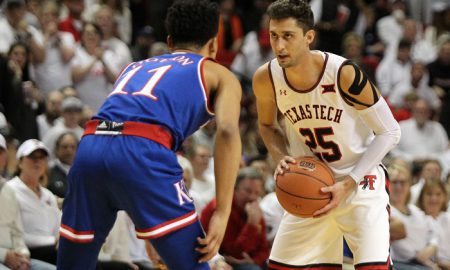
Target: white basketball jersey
320,118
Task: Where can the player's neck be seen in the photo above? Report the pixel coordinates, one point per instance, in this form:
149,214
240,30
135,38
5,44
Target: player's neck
310,66
303,63
192,50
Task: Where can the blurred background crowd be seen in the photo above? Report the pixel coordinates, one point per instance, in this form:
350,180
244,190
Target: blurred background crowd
59,60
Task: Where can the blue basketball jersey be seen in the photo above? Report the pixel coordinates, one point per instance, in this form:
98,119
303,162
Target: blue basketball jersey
167,90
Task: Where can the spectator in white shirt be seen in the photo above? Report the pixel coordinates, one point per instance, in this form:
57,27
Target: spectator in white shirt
122,16
115,252
444,159
52,114
433,201
14,27
390,27
255,51
14,254
272,213
38,208
104,18
431,169
393,71
202,183
418,84
71,114
94,68
55,71
421,49
418,248
422,138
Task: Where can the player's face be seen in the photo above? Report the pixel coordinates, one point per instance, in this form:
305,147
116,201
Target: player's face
289,42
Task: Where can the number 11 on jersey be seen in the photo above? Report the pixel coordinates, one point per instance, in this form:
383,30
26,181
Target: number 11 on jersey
155,76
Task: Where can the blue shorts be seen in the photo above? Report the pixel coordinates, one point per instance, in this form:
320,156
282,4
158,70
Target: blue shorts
134,174
140,176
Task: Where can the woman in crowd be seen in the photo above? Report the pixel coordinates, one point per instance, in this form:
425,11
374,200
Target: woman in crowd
416,250
92,72
38,208
22,99
433,201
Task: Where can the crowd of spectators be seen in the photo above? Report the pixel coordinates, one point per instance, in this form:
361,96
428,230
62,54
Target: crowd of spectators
59,60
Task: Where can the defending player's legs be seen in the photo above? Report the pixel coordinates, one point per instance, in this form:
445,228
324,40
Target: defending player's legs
73,252
88,215
181,244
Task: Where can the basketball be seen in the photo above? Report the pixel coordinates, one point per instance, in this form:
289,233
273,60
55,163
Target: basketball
298,190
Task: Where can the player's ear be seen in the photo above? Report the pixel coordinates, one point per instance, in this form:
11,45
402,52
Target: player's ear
310,35
213,46
170,43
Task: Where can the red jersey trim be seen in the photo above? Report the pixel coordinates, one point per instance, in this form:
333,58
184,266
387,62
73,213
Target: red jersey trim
76,236
375,265
168,226
319,266
269,67
317,82
206,93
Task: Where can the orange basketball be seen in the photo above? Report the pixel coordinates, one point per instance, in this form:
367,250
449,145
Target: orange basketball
298,190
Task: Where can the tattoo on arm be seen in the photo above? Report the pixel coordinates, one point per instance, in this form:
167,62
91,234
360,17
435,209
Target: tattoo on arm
359,83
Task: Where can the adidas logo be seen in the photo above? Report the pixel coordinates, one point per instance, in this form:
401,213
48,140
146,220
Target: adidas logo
102,125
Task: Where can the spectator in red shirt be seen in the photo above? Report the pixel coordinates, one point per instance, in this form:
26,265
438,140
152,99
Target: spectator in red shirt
73,23
231,33
244,246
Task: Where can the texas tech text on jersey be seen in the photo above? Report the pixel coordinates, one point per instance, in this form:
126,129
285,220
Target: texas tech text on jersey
314,111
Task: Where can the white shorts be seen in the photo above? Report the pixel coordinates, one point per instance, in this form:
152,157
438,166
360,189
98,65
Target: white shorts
317,243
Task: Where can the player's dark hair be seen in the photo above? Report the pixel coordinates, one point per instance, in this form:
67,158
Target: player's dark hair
248,173
297,9
192,22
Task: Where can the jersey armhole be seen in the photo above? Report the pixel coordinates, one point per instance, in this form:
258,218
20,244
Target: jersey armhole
269,68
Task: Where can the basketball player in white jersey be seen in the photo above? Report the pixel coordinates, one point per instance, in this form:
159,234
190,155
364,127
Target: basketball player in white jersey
340,116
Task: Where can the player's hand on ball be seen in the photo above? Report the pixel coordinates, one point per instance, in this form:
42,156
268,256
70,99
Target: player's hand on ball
283,165
209,246
339,191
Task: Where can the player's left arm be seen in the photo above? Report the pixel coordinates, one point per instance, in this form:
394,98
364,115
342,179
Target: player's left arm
358,91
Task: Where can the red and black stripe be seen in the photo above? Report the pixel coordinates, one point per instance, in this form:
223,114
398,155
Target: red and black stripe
273,265
375,265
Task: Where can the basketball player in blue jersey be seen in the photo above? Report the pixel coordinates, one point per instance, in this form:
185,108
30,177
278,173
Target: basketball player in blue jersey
338,115
126,159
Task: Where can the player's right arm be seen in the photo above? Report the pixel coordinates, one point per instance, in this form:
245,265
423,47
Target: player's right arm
227,151
271,132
